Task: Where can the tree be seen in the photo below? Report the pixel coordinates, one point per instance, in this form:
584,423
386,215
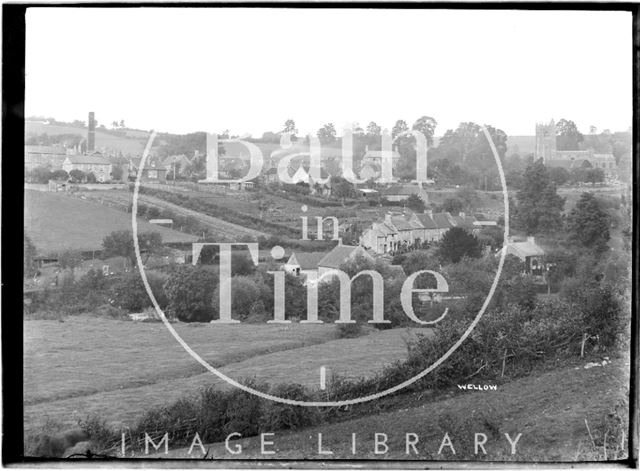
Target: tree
91,178
189,293
373,130
120,244
122,123
427,126
399,128
468,196
327,133
539,206
341,188
60,175
415,203
452,205
458,243
559,175
29,267
117,172
594,175
588,223
150,244
70,259
76,175
40,175
290,127
569,138
468,146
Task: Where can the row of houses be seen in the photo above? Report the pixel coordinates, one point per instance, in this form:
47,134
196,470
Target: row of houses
398,231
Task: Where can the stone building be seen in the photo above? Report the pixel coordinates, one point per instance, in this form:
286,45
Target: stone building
546,150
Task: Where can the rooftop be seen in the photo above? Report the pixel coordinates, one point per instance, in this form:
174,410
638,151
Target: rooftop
339,255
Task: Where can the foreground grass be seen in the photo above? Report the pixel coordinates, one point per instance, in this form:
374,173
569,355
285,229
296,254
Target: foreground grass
118,369
550,409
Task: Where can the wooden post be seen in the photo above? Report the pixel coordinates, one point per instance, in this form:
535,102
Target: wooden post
504,360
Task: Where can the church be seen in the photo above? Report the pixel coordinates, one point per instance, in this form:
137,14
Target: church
569,159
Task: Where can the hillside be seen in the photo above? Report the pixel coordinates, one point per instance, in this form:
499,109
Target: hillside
552,411
126,145
56,222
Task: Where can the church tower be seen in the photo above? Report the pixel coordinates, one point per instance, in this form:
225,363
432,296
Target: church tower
545,141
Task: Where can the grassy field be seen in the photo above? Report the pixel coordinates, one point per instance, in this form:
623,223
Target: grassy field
56,222
120,368
218,227
552,411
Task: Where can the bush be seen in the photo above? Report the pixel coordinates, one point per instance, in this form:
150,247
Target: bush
130,293
346,331
188,291
279,416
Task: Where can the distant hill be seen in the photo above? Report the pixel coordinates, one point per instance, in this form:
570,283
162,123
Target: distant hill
127,145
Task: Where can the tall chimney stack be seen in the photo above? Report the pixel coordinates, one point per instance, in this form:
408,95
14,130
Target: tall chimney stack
91,141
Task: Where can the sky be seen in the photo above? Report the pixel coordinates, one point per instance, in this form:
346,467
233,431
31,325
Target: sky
248,70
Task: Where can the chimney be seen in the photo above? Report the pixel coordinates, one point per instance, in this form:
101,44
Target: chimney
387,217
91,141
339,240
462,214
366,148
531,239
429,212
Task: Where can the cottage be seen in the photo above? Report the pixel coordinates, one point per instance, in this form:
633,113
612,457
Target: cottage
94,163
530,253
303,261
339,255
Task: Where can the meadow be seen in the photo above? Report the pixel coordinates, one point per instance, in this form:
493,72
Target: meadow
121,368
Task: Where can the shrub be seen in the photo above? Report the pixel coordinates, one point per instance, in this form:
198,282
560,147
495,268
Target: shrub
346,331
101,435
279,416
244,410
130,293
188,291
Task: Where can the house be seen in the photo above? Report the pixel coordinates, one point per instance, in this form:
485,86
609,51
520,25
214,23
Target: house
408,231
380,238
179,162
530,253
302,261
51,157
429,230
270,176
93,163
336,257
375,157
153,174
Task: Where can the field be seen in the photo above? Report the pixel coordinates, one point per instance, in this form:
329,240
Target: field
121,368
552,411
56,222
128,146
218,227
